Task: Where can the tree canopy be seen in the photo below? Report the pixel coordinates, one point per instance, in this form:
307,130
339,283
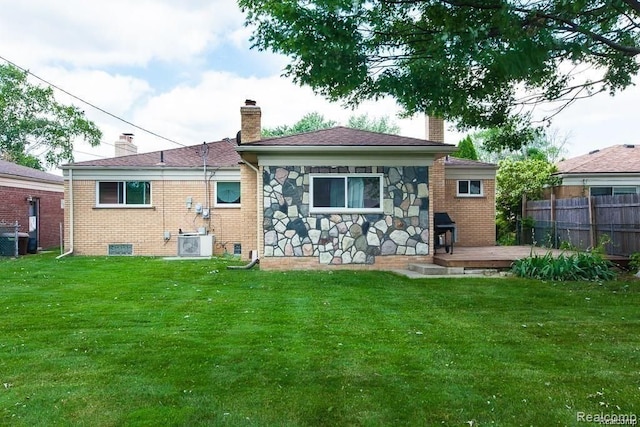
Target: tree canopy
34,127
316,121
516,178
548,146
478,63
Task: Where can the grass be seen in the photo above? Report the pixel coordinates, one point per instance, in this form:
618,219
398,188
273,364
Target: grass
143,341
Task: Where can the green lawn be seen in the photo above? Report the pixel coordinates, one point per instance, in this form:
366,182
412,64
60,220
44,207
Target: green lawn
142,341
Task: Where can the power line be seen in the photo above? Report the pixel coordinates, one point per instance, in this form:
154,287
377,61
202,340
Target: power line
92,105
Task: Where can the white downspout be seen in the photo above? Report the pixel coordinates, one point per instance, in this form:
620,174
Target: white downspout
257,171
70,251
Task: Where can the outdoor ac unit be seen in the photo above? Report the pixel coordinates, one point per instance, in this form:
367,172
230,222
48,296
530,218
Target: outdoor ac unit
195,245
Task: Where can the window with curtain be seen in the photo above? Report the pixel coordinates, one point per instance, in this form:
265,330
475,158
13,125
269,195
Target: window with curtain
228,193
123,193
470,188
346,193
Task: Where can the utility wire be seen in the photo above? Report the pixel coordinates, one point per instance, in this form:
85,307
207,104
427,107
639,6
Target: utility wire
92,105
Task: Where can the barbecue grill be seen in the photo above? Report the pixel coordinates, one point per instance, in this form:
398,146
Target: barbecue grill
442,223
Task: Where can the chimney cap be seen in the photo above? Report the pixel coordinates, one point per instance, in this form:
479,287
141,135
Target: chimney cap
249,102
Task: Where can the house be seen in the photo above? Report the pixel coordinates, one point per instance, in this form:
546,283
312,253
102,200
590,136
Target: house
138,204
337,197
609,171
34,199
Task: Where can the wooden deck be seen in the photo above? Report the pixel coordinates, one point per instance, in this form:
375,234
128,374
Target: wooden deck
496,256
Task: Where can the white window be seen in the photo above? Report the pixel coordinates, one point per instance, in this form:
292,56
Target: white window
357,193
228,194
127,193
470,188
612,191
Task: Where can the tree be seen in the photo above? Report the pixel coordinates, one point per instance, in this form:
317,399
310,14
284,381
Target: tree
548,145
466,149
308,123
516,178
316,121
380,125
475,62
34,127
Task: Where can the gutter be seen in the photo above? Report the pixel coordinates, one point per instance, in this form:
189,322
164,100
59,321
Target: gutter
70,251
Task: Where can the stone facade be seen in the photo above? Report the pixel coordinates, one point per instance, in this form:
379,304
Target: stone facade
290,230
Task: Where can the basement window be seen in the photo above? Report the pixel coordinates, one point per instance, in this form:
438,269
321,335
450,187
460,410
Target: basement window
120,249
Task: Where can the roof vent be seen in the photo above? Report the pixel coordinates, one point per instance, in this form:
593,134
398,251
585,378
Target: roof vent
629,146
593,152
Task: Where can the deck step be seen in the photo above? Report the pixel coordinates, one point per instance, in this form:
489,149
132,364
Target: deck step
435,270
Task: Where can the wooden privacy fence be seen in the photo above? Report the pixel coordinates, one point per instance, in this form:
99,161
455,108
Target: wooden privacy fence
585,222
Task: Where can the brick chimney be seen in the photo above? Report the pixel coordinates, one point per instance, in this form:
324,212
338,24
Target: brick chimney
250,122
434,128
125,146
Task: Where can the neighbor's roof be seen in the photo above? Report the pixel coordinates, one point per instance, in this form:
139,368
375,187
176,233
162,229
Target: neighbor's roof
220,154
13,170
616,159
344,136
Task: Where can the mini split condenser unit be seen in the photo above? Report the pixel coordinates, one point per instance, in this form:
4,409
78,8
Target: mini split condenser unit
195,245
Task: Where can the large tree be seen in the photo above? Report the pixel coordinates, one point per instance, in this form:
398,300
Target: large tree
34,127
476,62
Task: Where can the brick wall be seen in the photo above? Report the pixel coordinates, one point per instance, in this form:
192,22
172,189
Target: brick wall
474,216
436,191
392,262
247,227
96,228
15,207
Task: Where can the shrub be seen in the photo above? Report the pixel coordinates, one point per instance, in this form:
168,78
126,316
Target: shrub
578,266
634,262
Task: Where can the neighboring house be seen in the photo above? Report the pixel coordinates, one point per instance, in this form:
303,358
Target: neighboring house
609,171
34,199
339,196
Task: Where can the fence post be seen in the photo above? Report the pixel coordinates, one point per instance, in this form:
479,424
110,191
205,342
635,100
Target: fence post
592,226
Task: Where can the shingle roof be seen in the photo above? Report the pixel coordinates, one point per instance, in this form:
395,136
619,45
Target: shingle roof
344,136
220,154
615,159
18,171
455,161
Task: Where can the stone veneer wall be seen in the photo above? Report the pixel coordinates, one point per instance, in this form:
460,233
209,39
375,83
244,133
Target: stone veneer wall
290,231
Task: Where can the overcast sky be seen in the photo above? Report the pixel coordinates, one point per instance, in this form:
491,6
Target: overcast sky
182,69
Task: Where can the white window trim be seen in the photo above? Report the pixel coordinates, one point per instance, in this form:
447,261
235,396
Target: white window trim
346,210
226,205
459,194
122,205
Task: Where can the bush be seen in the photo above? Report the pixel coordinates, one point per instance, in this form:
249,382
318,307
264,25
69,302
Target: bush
579,266
634,262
